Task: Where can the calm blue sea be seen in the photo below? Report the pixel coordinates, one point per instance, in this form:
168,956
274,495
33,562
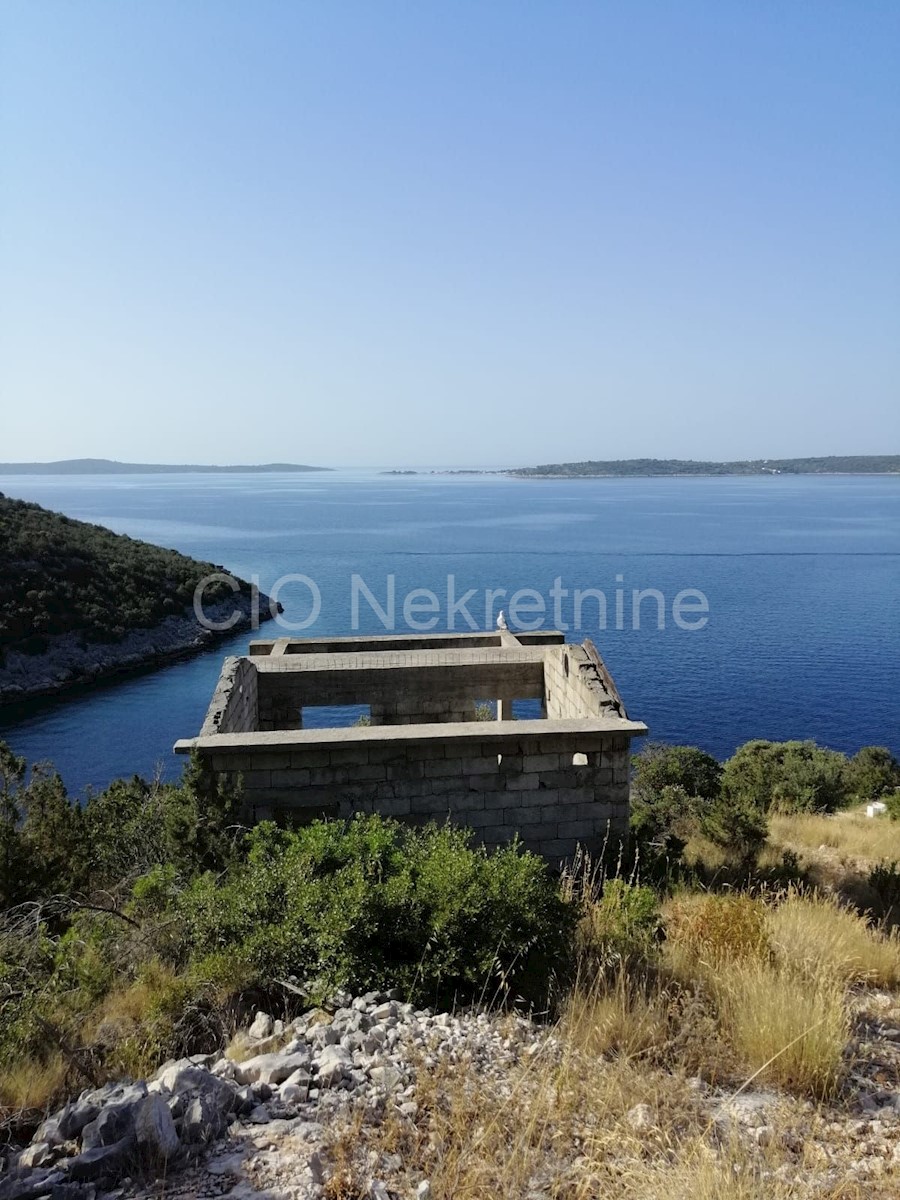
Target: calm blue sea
801,578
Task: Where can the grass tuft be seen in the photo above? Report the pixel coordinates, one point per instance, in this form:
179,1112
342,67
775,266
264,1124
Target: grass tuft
789,1029
627,1017
29,1085
707,930
810,933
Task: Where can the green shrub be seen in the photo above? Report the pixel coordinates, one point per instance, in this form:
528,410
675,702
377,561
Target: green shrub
736,827
787,777
373,902
669,786
884,882
676,795
873,771
620,929
659,766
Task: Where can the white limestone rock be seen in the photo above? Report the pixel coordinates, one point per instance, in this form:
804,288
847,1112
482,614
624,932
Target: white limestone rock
272,1068
333,1063
262,1026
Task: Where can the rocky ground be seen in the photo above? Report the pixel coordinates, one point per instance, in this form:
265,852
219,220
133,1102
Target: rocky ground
70,660
347,1104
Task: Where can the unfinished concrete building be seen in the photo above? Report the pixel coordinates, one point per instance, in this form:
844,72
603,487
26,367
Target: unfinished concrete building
557,780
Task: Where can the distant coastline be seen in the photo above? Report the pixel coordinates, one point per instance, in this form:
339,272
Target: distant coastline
108,466
858,464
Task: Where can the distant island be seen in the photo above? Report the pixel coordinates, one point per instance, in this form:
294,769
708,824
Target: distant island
80,603
858,464
108,466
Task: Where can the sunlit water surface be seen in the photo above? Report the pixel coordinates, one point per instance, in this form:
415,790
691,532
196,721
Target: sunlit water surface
801,576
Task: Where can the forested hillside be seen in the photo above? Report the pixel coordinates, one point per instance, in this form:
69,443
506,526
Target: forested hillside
59,575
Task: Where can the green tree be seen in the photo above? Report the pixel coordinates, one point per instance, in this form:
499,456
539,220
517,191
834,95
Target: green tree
203,818
872,772
786,777
659,766
12,775
53,835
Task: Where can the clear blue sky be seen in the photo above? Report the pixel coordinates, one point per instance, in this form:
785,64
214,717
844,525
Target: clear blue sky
431,233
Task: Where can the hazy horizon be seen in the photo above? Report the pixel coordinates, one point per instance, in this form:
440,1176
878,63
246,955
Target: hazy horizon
375,236
414,466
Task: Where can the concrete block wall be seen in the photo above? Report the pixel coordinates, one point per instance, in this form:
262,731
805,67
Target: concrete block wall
556,783
401,688
555,790
234,706
277,709
573,686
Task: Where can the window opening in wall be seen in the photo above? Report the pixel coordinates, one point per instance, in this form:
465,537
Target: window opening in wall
335,716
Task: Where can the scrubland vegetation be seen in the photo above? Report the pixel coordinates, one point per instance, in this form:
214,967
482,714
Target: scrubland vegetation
732,945
59,575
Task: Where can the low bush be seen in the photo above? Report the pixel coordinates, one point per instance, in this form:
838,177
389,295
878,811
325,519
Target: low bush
884,883
353,905
787,777
873,773
677,799
619,929
659,766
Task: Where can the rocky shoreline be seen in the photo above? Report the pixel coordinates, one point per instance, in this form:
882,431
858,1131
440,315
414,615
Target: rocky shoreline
69,660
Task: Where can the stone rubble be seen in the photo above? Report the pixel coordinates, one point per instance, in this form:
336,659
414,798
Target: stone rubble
262,1127
123,1131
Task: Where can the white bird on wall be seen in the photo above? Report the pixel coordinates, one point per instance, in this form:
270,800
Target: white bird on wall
501,620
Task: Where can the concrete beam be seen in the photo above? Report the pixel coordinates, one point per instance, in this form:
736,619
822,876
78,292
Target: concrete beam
589,732
401,641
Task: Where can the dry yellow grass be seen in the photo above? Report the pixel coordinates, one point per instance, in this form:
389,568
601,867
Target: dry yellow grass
560,1124
130,1005
483,1139
628,1016
851,835
789,1028
708,929
815,933
784,1016
31,1085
